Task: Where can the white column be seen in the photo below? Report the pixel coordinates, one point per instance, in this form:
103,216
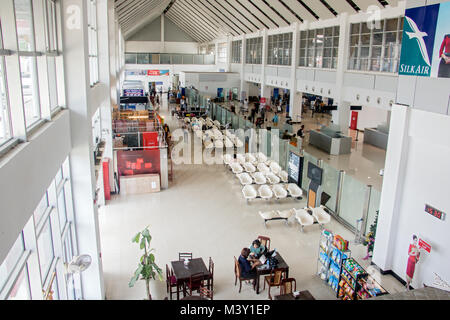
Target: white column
244,84
76,64
393,179
265,90
163,45
341,116
295,98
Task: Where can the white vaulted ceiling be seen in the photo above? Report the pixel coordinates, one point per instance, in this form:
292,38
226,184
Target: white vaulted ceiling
205,20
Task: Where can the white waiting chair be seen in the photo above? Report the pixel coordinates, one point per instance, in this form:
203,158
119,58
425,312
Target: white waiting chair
249,192
268,215
216,123
227,159
250,158
228,143
238,143
279,191
265,192
283,176
259,177
261,157
218,143
199,134
244,178
263,168
275,167
236,168
272,178
248,167
321,216
294,190
240,158
187,120
303,218
209,144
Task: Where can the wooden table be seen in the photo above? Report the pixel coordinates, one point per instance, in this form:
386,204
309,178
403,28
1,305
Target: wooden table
183,273
304,295
263,271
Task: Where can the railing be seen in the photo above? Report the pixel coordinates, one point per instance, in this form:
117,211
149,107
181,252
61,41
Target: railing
169,58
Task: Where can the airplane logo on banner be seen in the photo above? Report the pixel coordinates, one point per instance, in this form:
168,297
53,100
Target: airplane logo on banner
419,31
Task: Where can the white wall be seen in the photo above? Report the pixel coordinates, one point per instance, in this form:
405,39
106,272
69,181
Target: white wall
422,178
173,69
370,117
210,87
158,46
26,173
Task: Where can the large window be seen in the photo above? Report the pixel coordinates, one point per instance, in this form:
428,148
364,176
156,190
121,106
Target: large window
28,64
5,119
376,48
93,42
253,47
319,48
43,248
236,51
279,49
222,52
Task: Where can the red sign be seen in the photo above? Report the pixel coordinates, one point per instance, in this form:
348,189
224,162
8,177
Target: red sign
424,245
150,139
263,100
153,73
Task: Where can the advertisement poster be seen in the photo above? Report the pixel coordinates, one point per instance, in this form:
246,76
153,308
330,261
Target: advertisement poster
157,72
426,42
138,162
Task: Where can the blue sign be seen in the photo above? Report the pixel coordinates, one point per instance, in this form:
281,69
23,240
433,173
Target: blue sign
419,30
133,92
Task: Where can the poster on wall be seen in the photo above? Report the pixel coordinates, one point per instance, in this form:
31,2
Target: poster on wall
157,72
138,162
295,168
426,41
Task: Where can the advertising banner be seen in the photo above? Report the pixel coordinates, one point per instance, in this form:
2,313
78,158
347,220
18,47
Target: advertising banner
426,41
133,92
157,72
138,162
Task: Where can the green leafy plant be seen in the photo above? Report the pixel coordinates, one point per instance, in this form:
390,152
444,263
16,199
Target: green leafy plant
147,268
370,237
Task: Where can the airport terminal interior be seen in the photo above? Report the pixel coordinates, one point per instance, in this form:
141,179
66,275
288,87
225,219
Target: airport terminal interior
224,149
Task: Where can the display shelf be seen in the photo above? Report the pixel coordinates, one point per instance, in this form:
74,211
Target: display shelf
358,281
376,291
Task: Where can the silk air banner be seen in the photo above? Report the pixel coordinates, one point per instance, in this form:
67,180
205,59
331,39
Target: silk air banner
426,41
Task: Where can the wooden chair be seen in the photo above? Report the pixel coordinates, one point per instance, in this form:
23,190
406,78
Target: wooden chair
195,282
206,293
237,274
288,285
273,280
171,282
184,255
265,241
211,275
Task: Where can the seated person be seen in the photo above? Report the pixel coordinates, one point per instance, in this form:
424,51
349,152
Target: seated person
257,249
286,135
248,264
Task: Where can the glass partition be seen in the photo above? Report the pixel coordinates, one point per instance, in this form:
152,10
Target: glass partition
235,121
374,206
283,147
330,183
168,58
164,58
352,200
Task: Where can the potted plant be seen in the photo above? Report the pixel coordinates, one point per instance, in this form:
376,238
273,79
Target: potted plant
370,238
147,268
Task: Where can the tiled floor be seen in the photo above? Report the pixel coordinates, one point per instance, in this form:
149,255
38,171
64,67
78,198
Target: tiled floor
204,212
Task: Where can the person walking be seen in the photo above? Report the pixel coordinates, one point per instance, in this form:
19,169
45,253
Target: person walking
275,120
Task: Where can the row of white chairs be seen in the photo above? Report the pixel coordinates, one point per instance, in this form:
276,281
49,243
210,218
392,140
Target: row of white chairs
267,192
305,217
259,174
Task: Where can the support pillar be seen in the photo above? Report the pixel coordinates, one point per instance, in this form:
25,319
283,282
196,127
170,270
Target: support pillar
78,93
